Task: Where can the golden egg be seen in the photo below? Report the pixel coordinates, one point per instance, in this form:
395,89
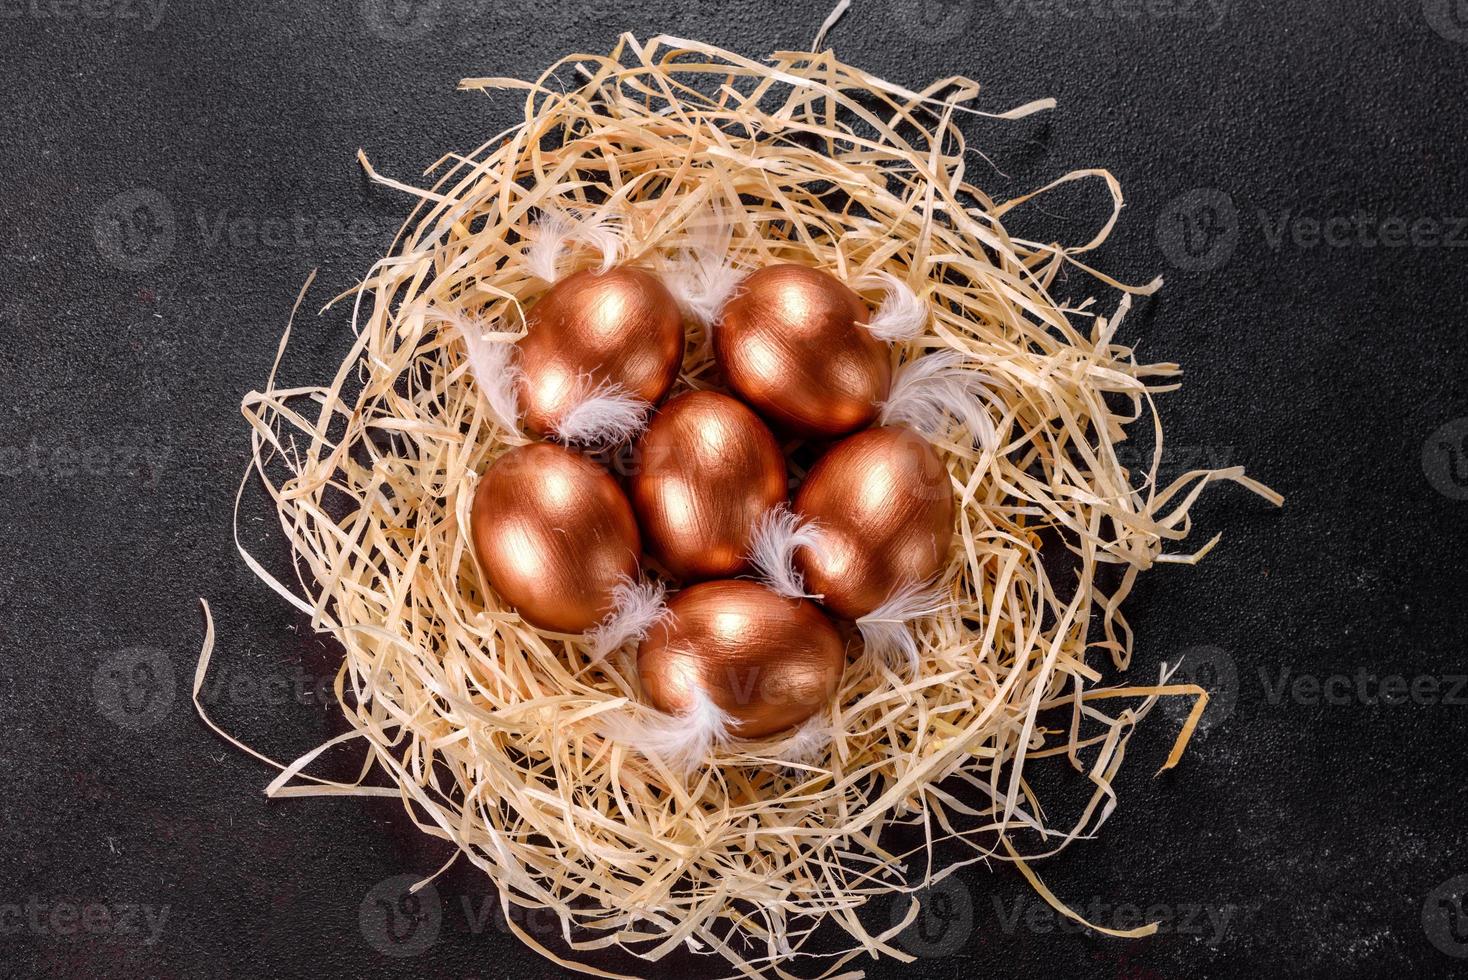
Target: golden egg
553,534
884,502
620,327
791,344
706,469
770,662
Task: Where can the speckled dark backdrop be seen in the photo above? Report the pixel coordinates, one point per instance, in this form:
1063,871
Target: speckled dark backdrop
169,173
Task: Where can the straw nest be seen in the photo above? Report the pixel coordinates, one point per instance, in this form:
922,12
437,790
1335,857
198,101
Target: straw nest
493,733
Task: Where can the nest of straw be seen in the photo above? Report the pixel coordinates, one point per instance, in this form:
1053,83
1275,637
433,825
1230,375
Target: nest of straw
488,729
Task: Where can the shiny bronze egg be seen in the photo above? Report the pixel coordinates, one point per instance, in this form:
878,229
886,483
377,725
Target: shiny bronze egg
553,534
706,469
884,502
770,662
621,327
791,344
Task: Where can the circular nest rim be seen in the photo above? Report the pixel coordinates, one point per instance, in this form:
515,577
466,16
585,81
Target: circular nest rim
494,735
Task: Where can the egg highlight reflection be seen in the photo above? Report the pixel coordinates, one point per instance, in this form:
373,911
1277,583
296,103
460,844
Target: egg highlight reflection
791,343
620,327
884,502
554,534
768,661
707,468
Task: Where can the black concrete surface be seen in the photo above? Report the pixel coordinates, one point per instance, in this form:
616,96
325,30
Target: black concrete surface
169,173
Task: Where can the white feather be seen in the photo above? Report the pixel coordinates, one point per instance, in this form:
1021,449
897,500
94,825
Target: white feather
601,231
777,535
702,277
605,415
901,315
682,741
808,743
884,630
543,255
557,230
637,608
491,362
933,391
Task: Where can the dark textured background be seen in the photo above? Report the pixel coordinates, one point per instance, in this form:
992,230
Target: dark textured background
168,177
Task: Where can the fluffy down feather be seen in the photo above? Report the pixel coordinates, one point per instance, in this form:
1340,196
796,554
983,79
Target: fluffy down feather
683,741
492,364
638,607
933,391
885,632
557,230
777,535
606,415
702,278
901,315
